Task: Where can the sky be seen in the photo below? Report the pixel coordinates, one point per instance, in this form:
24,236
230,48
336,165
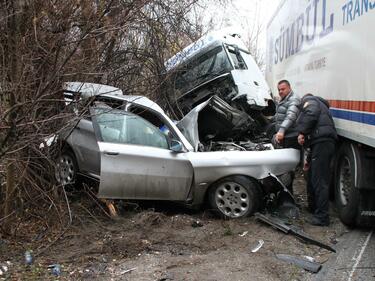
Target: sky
247,14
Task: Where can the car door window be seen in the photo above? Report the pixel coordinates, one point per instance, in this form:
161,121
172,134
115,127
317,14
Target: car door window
118,126
154,118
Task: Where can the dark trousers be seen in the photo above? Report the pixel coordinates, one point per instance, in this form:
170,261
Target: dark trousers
319,178
291,142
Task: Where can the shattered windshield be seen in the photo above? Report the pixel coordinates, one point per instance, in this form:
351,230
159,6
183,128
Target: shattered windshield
204,68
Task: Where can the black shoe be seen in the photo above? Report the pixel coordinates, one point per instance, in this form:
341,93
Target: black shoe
318,222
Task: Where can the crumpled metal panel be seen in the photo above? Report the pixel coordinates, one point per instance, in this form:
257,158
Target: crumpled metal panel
211,166
214,120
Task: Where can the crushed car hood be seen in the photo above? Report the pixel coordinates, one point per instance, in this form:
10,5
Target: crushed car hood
215,120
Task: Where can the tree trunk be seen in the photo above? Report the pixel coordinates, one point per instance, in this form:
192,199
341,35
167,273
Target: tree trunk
13,12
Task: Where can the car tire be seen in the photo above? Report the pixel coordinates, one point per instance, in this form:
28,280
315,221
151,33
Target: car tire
346,194
234,197
66,169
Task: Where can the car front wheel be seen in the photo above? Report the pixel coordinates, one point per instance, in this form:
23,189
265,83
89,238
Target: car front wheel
234,197
66,169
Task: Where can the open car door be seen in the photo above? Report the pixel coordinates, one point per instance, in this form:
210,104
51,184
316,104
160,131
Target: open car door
136,159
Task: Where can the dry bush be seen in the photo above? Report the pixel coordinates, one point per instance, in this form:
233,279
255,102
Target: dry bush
122,43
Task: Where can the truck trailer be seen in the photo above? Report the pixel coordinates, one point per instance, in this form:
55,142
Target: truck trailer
327,48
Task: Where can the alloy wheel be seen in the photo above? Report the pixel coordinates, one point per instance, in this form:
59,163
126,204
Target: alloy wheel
232,199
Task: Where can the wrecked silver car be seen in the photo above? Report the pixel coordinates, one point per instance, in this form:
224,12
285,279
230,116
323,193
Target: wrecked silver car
138,152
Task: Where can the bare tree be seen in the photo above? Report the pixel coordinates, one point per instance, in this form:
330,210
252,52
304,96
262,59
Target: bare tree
45,43
247,24
252,41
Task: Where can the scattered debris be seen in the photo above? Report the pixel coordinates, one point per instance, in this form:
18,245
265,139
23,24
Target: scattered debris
128,270
167,277
55,269
111,208
257,247
28,257
300,262
197,223
4,268
333,240
243,233
309,258
280,225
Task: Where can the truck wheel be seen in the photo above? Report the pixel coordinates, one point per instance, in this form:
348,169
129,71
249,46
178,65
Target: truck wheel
346,195
234,197
66,169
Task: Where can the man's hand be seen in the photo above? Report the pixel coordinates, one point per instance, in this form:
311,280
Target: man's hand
301,139
279,137
306,166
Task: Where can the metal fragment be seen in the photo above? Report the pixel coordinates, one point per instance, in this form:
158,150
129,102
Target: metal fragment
300,262
280,225
257,247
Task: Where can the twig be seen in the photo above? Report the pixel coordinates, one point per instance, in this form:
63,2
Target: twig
96,200
53,242
91,214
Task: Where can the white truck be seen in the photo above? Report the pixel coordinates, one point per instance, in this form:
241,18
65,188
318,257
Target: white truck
327,48
217,64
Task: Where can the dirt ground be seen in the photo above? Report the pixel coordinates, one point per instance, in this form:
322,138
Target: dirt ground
168,243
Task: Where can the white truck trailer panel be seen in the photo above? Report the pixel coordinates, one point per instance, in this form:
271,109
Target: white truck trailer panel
327,48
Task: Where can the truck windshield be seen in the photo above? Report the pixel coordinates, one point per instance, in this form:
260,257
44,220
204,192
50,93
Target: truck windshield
202,69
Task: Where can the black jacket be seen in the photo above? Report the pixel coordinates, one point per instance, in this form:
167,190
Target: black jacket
315,121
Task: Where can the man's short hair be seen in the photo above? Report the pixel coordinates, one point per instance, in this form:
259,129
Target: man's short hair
283,81
307,95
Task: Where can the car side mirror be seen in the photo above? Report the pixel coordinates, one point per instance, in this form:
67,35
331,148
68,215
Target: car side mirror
176,146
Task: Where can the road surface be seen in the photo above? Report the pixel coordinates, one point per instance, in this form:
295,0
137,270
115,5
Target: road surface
354,260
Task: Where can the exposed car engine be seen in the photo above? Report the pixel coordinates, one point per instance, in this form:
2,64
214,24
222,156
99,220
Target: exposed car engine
216,126
235,146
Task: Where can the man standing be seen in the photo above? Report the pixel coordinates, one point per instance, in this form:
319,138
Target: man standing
317,132
286,115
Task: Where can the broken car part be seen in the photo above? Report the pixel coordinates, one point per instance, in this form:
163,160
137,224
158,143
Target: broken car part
243,233
280,225
286,203
257,247
300,262
214,125
28,257
127,270
285,189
